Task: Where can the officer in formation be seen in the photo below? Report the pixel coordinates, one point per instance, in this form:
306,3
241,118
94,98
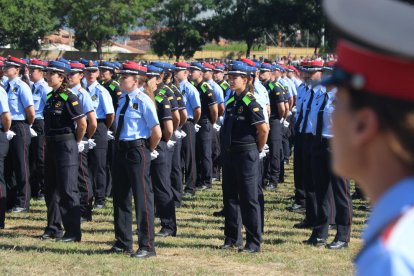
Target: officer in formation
373,127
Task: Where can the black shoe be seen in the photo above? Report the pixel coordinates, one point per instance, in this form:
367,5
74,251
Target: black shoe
302,225
332,227
99,206
177,204
335,245
117,250
85,219
142,253
188,195
47,235
19,210
219,213
201,188
270,187
296,208
230,246
1,226
315,242
165,233
68,239
249,250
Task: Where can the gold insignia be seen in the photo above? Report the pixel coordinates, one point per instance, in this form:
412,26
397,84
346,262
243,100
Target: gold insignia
278,93
119,93
94,98
75,103
178,98
58,104
170,98
135,106
241,109
14,90
209,94
167,106
256,109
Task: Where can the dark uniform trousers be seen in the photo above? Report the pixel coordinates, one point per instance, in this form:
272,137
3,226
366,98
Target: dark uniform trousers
300,196
188,152
327,184
4,148
97,162
163,194
260,191
311,206
61,185
84,184
109,160
240,194
37,158
176,171
132,178
275,148
215,156
204,153
17,166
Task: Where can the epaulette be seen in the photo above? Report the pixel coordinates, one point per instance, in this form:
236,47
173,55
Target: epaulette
248,98
205,86
158,98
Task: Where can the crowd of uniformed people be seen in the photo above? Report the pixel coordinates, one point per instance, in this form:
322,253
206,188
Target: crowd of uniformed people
77,132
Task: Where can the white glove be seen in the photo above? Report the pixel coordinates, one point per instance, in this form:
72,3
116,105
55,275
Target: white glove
154,154
262,154
289,113
170,144
110,136
183,134
81,146
216,127
197,127
91,143
266,149
286,123
33,133
294,109
10,134
177,134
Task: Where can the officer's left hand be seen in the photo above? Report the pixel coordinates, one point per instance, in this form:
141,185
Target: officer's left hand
170,144
91,143
154,154
110,136
286,123
33,132
216,127
197,127
81,146
10,134
262,154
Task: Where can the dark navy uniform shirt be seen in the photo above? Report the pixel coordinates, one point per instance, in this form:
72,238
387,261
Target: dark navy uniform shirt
207,98
178,96
165,90
276,96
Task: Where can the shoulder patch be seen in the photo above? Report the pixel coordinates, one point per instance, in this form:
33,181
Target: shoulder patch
248,98
205,86
158,98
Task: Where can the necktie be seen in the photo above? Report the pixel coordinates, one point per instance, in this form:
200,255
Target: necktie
319,122
121,118
8,87
308,108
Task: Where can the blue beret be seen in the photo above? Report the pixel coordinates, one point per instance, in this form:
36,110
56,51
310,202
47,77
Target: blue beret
266,67
153,70
58,66
90,64
196,66
107,65
62,59
117,64
252,70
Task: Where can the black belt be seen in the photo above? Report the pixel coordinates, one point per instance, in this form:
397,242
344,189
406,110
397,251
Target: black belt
274,118
101,120
190,120
18,121
240,148
60,138
125,145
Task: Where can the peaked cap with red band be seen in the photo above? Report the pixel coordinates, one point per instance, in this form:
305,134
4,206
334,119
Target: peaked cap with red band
133,68
38,64
14,61
181,66
373,50
248,62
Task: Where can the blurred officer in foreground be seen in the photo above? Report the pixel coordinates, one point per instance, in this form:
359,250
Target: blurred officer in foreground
23,115
65,126
243,139
373,124
137,135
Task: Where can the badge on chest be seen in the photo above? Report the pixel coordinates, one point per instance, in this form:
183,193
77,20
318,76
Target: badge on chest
135,106
94,97
240,110
58,104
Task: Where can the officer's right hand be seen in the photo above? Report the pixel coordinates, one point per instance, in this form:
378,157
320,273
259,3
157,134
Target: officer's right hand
10,134
183,134
177,134
216,127
154,154
197,127
262,154
33,133
91,143
170,144
110,136
81,146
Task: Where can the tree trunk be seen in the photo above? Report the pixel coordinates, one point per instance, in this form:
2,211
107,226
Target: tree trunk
249,47
99,50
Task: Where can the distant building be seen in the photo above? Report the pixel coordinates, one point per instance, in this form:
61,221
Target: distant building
60,36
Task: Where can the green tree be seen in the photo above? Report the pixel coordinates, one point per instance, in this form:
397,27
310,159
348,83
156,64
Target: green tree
24,22
97,22
178,25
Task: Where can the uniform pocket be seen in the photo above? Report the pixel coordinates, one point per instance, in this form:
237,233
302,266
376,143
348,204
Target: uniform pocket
133,155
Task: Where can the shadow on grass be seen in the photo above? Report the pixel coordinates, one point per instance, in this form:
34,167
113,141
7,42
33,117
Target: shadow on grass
24,248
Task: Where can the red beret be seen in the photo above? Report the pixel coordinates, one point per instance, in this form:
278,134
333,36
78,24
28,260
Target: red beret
248,62
208,66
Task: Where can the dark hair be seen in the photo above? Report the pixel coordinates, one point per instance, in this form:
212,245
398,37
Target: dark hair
23,76
65,83
395,117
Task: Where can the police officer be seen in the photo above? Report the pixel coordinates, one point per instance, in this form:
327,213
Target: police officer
373,127
138,133
218,76
204,127
65,127
104,109
244,137
85,101
40,89
160,168
193,105
5,124
23,114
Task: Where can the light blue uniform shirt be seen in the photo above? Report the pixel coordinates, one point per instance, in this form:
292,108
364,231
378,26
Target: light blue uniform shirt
286,86
296,81
310,127
40,91
84,98
4,80
391,253
140,116
326,111
4,103
302,92
218,92
20,98
260,93
291,85
191,97
101,100
263,91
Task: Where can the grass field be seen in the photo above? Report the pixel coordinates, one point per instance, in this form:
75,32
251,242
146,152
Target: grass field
193,252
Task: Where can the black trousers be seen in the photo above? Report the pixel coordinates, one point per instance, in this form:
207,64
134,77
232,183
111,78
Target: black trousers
327,185
241,203
300,197
4,148
311,206
204,154
17,173
132,178
215,156
176,171
97,163
285,143
275,145
85,185
37,159
260,191
163,194
61,187
188,156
